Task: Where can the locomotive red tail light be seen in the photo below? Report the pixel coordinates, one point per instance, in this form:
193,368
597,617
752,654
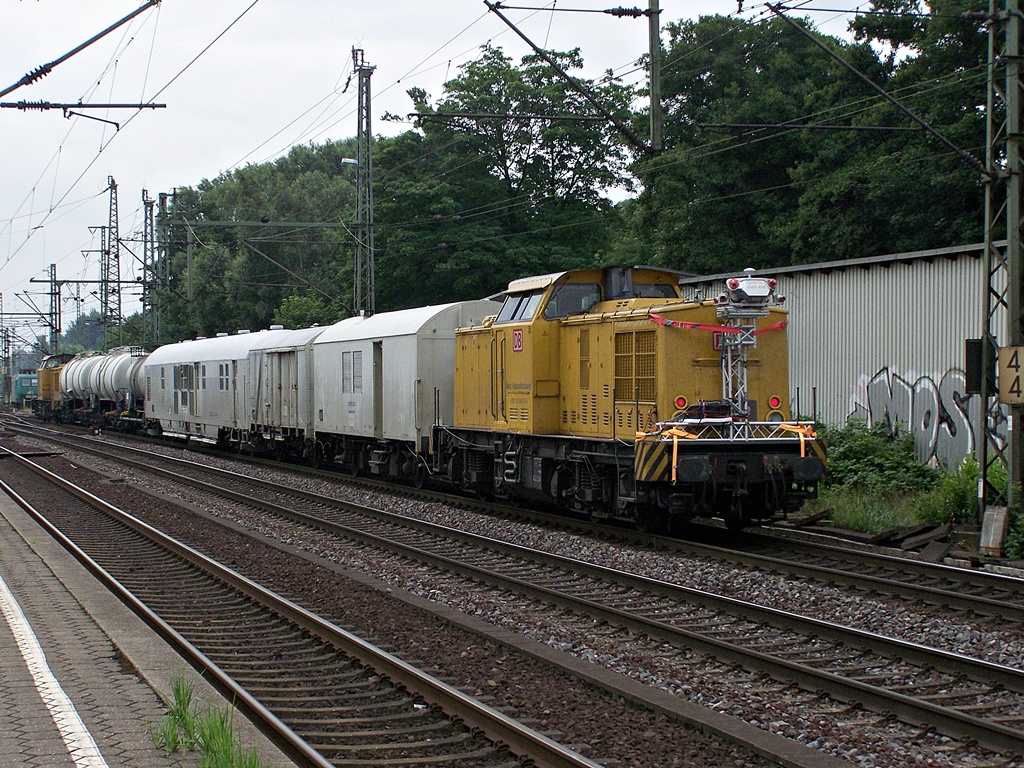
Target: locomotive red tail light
680,402
774,402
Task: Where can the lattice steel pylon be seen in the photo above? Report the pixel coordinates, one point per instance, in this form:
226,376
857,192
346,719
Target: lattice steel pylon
110,270
1002,438
364,288
149,312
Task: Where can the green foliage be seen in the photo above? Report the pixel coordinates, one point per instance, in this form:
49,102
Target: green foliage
723,197
85,332
954,499
875,483
875,459
304,310
179,730
867,510
1013,544
210,733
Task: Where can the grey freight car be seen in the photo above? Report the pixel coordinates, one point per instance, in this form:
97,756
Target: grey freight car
383,382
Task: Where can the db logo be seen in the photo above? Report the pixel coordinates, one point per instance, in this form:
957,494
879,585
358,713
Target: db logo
517,340
716,341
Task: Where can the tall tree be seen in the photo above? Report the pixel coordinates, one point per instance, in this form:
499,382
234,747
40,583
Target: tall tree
484,192
722,200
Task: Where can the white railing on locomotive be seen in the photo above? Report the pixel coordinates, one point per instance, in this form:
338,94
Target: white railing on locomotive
731,430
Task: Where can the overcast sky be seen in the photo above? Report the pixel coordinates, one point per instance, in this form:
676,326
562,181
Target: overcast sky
269,75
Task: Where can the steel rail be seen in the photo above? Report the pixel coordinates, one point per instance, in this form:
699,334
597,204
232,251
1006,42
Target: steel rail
494,725
991,734
279,733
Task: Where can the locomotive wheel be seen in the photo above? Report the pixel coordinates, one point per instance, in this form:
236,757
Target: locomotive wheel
736,519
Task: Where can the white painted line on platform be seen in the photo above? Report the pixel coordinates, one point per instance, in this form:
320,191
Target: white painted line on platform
79,741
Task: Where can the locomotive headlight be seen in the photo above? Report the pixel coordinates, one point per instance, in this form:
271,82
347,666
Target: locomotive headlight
775,416
774,402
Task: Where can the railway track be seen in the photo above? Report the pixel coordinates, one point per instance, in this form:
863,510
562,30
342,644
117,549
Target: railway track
958,695
327,697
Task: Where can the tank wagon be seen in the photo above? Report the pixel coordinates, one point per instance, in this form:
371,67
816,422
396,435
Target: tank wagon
602,392
97,389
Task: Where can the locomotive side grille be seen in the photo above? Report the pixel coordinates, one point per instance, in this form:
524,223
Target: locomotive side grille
584,358
636,366
624,421
647,365
518,414
624,364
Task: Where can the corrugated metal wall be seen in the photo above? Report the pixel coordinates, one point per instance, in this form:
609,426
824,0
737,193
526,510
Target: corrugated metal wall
883,339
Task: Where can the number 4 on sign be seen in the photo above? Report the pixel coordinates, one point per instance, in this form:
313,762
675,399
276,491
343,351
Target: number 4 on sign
1011,389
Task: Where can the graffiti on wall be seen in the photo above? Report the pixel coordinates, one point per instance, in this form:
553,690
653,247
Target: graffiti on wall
944,420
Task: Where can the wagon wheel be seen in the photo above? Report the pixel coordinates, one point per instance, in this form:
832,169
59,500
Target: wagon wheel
420,474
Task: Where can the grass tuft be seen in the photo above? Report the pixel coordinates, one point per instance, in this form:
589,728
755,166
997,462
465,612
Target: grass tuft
211,733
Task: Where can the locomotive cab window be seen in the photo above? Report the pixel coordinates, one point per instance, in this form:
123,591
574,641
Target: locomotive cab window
655,291
520,307
572,299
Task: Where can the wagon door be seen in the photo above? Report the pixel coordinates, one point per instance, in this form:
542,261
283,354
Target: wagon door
378,389
288,366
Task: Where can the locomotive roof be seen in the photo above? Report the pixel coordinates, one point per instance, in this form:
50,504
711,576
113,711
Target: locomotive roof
543,281
406,322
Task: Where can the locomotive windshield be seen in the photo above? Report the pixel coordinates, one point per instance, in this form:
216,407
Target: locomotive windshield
519,307
572,298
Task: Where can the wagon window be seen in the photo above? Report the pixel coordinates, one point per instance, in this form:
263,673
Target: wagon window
357,371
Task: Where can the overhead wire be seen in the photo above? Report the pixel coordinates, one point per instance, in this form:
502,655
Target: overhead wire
104,146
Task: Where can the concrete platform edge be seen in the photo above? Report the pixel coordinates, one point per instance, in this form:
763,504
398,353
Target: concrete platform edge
156,663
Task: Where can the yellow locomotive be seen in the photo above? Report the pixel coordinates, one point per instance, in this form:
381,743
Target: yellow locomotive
48,395
605,391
